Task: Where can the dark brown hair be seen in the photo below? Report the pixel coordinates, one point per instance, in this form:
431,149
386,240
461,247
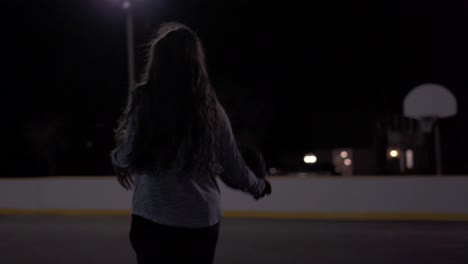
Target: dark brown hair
173,106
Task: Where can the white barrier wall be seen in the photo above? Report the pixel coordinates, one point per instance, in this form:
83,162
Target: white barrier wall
311,195
363,194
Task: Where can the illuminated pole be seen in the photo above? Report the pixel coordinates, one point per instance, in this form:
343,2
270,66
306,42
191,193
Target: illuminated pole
128,6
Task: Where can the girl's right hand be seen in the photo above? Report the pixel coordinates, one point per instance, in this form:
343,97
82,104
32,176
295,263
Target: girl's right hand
124,177
266,191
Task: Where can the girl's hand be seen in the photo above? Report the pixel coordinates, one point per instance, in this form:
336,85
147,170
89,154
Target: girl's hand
124,177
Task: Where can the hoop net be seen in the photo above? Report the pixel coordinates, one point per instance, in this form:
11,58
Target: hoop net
426,123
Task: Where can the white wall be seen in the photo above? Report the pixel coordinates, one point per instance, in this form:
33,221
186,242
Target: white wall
436,195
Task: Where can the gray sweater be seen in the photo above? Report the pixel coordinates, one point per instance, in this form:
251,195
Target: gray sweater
171,199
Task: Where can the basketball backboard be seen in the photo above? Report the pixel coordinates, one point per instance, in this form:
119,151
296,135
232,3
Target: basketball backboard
429,101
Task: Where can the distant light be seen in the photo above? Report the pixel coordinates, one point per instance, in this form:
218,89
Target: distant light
409,159
126,5
394,153
310,158
344,154
348,162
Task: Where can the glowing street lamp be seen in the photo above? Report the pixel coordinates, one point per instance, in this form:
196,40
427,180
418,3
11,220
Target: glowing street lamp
394,153
310,159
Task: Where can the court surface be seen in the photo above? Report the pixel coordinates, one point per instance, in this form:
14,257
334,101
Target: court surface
104,239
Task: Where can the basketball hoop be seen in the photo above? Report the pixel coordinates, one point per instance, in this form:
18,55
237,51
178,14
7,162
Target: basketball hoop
427,103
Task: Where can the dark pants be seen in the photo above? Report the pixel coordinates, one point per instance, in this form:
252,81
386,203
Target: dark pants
155,243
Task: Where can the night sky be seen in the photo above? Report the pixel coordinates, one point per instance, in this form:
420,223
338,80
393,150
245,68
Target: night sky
294,77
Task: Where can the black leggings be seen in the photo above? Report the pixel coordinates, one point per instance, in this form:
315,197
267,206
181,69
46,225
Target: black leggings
155,243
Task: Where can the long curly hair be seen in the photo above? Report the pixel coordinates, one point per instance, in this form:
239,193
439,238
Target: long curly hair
175,108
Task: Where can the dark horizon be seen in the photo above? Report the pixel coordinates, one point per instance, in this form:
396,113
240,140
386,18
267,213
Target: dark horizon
297,79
